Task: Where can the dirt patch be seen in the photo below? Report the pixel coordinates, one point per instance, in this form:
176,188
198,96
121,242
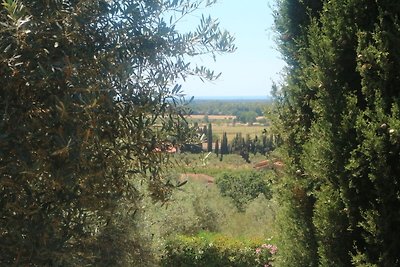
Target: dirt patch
194,177
268,164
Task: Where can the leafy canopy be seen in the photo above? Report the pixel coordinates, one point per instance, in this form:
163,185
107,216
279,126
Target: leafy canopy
89,102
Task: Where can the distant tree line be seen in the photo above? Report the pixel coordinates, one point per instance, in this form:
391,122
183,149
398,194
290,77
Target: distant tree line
246,116
228,107
247,145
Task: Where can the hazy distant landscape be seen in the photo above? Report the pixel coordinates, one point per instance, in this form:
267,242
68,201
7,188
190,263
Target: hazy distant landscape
234,98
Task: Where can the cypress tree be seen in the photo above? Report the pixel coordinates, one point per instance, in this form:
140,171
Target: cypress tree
205,131
343,146
224,144
209,138
373,189
293,118
216,149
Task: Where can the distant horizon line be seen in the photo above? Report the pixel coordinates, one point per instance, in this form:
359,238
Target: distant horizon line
222,97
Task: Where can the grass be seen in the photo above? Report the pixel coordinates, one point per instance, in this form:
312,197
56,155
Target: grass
211,164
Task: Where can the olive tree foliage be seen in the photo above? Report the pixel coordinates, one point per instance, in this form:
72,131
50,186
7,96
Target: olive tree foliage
89,102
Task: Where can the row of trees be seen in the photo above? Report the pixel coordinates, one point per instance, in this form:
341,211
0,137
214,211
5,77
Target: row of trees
228,107
263,145
245,117
239,144
88,100
339,116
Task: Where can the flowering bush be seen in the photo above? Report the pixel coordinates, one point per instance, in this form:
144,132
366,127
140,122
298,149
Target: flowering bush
215,250
265,254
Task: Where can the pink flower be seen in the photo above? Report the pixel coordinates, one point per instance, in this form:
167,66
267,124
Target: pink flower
273,249
258,250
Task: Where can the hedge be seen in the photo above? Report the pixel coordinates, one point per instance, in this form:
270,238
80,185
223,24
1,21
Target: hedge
216,250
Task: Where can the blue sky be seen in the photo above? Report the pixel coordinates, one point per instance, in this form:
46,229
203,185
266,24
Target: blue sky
250,70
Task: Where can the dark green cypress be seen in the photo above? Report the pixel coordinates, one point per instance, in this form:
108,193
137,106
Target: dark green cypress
209,138
224,144
216,149
292,120
338,114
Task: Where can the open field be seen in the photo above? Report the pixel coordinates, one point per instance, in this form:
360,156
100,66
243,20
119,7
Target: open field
212,117
232,130
224,123
211,165
222,119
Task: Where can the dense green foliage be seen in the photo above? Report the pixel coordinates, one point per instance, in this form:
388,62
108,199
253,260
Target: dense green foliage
243,186
216,149
224,145
212,250
199,206
263,145
88,106
193,208
338,113
209,138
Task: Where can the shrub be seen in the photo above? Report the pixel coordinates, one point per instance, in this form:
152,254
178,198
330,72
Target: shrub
195,208
192,208
214,250
243,187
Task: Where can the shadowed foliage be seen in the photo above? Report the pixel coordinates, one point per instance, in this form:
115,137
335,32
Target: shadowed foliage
339,111
88,92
